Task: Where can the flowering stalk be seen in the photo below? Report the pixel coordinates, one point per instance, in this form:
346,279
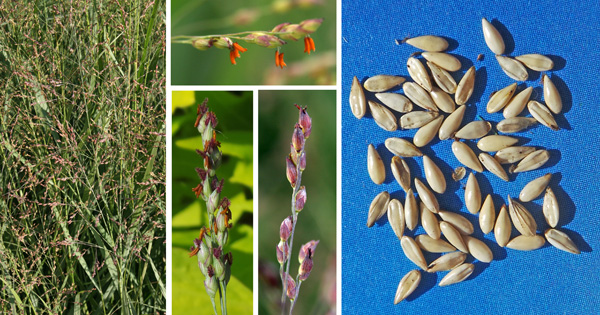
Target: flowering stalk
295,165
208,247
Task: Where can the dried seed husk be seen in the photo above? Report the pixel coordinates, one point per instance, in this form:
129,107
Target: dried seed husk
417,119
536,62
457,274
513,68
443,60
395,101
432,245
452,123
447,262
495,143
466,156
426,133
434,175
442,100
503,227
383,116
500,98
395,214
375,166
551,95
411,212
550,207
442,78
378,207
407,285
487,215
464,89
430,223
532,161
460,223
401,172
428,43
492,37
427,196
478,249
413,252
472,194
459,173
473,130
561,241
513,154
542,114
493,165
534,188
521,218
526,243
382,82
401,147
418,73
517,103
453,236
358,102
419,96
515,124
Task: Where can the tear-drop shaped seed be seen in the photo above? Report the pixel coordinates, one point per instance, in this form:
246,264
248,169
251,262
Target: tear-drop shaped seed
407,285
464,89
375,166
453,236
550,208
428,43
378,207
472,194
417,119
492,37
411,212
358,102
503,227
430,223
443,60
442,100
532,161
418,73
512,154
383,82
542,114
460,223
517,103
457,274
383,116
513,68
551,95
536,62
447,262
561,241
495,143
473,130
413,252
534,188
500,98
466,156
395,214
459,173
487,215
401,147
419,96
432,245
434,175
478,249
515,124
426,133
526,243
427,196
521,218
452,123
401,172
442,78
492,165
395,101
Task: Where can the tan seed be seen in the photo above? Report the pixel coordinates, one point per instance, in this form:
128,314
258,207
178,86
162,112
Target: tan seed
419,96
453,236
428,43
492,37
452,123
534,188
513,68
395,101
411,212
515,124
550,208
418,73
561,241
395,214
512,154
457,274
427,196
472,194
502,228
474,130
487,215
442,78
532,161
430,223
434,175
358,102
401,147
478,249
375,166
378,207
432,245
447,262
426,133
517,103
407,285
466,156
417,119
459,173
536,62
413,252
542,114
521,218
442,100
493,165
495,143
383,82
460,223
551,95
464,89
401,172
443,60
383,116
526,243
500,98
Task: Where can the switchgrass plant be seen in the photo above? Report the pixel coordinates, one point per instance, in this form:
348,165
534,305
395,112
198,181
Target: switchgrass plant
82,157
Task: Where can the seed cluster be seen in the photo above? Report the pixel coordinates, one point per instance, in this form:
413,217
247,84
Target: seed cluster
443,117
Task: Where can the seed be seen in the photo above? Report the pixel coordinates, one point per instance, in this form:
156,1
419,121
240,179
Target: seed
495,143
459,173
375,166
419,96
513,68
466,156
411,212
551,95
430,223
407,285
426,133
395,101
480,57
453,236
517,103
442,78
561,241
443,60
401,147
382,82
536,62
428,43
460,223
532,161
442,100
542,114
526,243
378,207
472,194
447,262
515,124
418,73
474,130
487,215
464,89
500,98
478,249
383,116
413,252
457,274
492,37
358,102
417,119
534,188
502,228
521,218
434,175
550,208
512,154
401,172
427,196
452,123
493,165
395,214
432,245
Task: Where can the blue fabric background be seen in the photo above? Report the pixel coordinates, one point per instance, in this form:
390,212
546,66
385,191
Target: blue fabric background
545,281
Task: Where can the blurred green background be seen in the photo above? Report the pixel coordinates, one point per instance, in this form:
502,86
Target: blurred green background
234,131
277,117
190,66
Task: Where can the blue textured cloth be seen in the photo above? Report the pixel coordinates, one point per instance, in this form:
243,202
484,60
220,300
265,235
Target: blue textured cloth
545,281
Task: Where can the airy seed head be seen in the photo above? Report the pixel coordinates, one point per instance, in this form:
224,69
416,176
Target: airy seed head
300,198
285,229
283,251
298,138
290,171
